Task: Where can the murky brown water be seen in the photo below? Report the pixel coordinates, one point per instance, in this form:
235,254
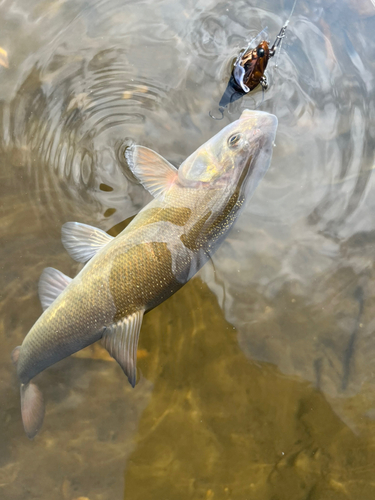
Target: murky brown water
257,379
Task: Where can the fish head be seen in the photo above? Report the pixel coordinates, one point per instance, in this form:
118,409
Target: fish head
238,156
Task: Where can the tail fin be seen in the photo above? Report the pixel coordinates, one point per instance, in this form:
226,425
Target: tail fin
32,409
32,404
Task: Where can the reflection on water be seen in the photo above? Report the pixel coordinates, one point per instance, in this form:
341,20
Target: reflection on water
259,381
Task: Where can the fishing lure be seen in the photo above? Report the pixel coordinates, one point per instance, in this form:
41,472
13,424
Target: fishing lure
250,66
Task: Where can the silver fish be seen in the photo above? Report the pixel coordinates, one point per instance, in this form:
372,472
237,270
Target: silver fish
164,246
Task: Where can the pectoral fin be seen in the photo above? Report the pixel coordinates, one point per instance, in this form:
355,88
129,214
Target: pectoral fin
15,355
82,242
154,172
51,283
121,341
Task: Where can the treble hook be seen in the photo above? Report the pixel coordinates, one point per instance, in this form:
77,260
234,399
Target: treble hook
279,39
214,117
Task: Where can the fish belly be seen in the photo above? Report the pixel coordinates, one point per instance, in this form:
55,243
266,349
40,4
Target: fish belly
138,270
74,321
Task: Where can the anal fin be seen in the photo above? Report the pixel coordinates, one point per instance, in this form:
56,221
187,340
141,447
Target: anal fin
121,341
51,283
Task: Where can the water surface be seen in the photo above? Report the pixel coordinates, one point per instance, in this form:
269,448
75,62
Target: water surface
257,379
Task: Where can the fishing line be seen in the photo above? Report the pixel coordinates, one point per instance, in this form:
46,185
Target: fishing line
262,101
283,36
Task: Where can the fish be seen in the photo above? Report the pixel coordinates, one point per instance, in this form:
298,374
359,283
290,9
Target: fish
164,246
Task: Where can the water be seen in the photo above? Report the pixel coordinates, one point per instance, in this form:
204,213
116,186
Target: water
257,379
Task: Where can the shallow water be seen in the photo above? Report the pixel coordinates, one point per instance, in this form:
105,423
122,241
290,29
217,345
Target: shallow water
257,379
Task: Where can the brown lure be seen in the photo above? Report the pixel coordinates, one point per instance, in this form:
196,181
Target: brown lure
249,70
253,63
250,66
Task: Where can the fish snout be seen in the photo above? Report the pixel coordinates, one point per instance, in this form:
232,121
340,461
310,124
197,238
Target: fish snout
261,127
260,120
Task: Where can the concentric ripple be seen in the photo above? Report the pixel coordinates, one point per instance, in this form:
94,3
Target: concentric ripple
82,101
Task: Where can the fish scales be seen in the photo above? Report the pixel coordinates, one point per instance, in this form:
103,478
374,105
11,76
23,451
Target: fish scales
133,275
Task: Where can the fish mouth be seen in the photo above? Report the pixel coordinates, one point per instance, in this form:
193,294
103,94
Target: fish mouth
262,120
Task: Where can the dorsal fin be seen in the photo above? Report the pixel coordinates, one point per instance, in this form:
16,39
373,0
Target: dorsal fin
51,283
82,242
121,341
154,172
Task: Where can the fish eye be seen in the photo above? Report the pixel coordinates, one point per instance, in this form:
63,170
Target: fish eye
260,52
233,140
